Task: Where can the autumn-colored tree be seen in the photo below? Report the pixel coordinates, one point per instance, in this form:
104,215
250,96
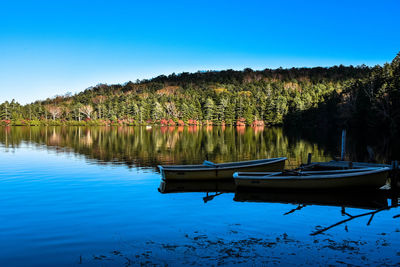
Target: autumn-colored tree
87,110
55,111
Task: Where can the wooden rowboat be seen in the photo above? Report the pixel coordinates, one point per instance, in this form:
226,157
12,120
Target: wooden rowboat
209,170
331,179
341,165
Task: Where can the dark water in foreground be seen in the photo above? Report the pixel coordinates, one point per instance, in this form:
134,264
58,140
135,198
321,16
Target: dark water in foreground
88,196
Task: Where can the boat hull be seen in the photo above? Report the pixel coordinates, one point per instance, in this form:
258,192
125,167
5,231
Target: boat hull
201,172
371,179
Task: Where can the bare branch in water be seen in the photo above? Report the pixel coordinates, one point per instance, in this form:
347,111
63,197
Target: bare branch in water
372,213
299,207
370,219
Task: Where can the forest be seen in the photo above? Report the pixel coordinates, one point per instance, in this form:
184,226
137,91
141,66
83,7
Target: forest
348,96
371,103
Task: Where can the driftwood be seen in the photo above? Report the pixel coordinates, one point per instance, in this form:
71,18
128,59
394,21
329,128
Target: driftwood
351,217
299,207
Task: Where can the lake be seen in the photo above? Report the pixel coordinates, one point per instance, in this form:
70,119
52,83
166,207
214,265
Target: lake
90,197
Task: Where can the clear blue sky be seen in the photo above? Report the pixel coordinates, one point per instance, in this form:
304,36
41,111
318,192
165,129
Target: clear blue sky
54,47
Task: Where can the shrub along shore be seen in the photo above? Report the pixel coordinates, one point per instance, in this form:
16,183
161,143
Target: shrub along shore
124,122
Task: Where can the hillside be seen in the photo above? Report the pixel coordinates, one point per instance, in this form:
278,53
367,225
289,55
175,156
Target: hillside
213,97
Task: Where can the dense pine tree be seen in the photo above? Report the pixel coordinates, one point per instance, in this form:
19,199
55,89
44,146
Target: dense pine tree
355,95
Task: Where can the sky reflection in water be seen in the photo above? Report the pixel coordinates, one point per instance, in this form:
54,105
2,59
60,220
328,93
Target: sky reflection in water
61,205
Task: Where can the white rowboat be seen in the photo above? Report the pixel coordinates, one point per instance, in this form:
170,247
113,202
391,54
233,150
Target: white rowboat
210,171
331,179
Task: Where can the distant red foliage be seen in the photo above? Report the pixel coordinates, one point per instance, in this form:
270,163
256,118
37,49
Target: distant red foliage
241,122
193,122
181,123
6,122
257,123
171,122
163,122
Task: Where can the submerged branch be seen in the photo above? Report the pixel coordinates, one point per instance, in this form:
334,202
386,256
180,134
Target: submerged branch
370,219
299,207
372,213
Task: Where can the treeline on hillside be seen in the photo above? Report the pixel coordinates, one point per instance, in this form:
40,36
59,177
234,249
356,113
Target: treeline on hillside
371,103
213,97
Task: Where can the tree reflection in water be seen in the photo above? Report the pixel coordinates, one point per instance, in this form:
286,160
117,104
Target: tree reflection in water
148,147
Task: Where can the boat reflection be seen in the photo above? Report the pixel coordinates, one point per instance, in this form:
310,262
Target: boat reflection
371,199
361,199
212,188
207,186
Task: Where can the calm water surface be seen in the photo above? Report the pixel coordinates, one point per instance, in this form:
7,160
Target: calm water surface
89,196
